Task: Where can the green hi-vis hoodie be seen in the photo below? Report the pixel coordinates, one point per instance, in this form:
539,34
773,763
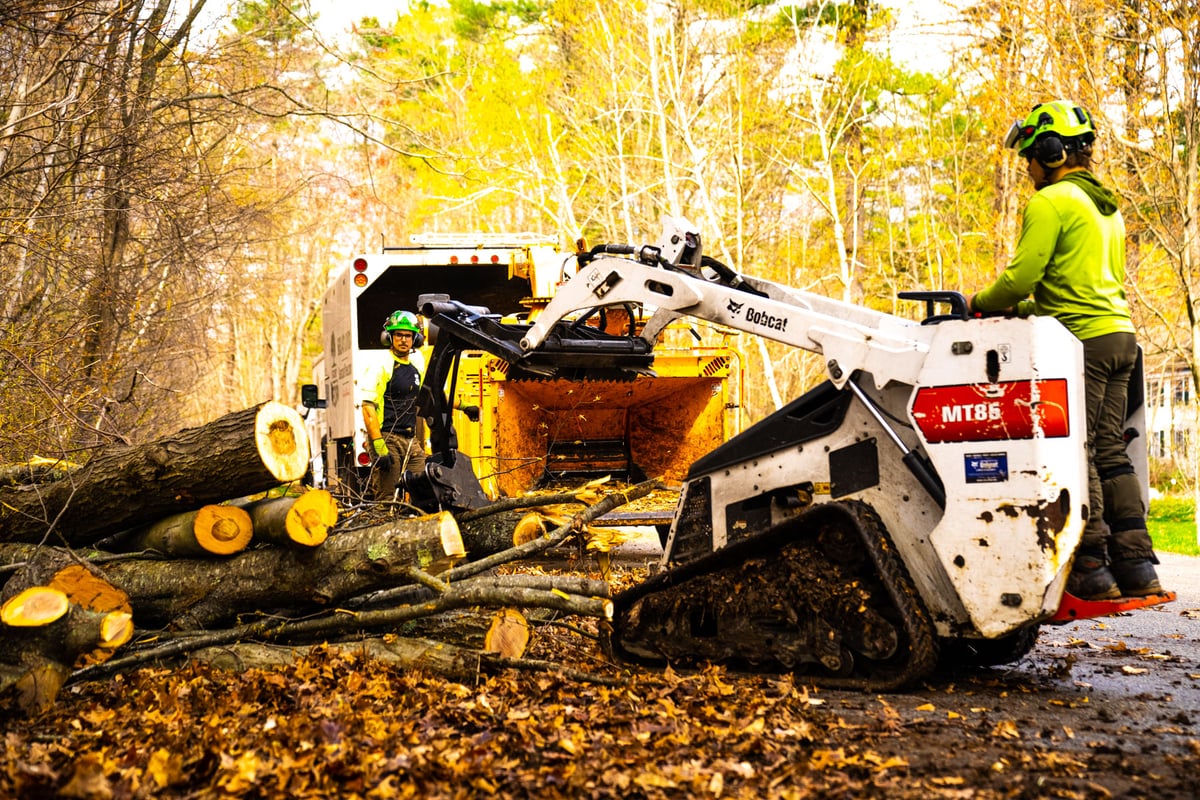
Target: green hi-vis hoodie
1071,258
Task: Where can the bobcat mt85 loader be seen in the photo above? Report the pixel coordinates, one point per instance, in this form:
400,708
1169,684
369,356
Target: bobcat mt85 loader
927,498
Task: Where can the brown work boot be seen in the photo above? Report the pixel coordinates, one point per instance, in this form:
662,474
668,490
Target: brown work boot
1136,577
1090,579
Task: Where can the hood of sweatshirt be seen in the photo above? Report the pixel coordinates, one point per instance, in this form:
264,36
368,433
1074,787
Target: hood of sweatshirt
1105,200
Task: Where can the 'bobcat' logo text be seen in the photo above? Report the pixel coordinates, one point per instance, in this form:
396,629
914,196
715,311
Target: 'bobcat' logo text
766,320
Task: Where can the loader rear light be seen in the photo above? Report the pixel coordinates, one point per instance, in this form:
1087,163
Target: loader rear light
360,280
360,265
991,411
364,459
360,270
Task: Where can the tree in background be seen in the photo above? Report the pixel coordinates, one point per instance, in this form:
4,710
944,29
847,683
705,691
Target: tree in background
145,176
109,230
170,205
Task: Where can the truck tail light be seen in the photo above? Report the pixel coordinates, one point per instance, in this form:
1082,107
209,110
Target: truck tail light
360,269
364,459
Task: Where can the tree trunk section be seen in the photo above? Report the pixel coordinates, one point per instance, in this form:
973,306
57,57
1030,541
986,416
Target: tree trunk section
490,535
37,655
439,658
508,635
211,530
241,453
198,594
302,521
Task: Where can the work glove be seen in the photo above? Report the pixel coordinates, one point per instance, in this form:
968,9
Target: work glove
472,412
383,460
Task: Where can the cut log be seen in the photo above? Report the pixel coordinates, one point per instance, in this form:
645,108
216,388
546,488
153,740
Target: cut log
343,623
121,488
489,535
51,585
210,530
501,530
508,635
304,520
446,660
34,607
194,594
38,657
454,663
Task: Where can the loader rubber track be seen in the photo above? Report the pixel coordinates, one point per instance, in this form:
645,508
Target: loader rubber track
823,595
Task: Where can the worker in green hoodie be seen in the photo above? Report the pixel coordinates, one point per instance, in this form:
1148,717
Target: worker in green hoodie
1070,264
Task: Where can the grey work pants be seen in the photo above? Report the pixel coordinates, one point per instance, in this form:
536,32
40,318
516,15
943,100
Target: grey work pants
1117,517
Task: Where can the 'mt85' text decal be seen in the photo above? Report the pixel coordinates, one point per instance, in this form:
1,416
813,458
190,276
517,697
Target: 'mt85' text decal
986,412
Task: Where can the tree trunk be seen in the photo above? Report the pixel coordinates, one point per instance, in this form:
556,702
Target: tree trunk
491,534
241,453
197,594
292,521
43,637
210,530
37,470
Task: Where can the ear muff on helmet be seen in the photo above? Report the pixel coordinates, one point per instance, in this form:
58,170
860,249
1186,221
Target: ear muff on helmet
1050,151
1051,131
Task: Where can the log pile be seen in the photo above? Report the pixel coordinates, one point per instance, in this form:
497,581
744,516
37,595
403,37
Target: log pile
199,542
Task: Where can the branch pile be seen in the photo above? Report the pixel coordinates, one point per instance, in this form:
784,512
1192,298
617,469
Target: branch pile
193,574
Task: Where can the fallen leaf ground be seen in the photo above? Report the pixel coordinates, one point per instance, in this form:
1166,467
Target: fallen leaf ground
339,725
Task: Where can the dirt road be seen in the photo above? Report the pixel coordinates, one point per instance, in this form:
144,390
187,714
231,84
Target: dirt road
1100,708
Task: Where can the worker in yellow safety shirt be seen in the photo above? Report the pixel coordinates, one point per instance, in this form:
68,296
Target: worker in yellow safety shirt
389,405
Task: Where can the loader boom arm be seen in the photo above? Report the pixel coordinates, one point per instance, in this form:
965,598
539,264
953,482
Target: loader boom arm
850,337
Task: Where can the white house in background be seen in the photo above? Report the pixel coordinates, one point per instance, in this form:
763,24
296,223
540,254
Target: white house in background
1171,414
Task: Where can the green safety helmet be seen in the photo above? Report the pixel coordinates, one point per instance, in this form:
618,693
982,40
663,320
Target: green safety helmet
402,321
1051,131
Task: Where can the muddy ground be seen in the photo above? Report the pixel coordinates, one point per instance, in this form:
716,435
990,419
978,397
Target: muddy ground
1098,709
